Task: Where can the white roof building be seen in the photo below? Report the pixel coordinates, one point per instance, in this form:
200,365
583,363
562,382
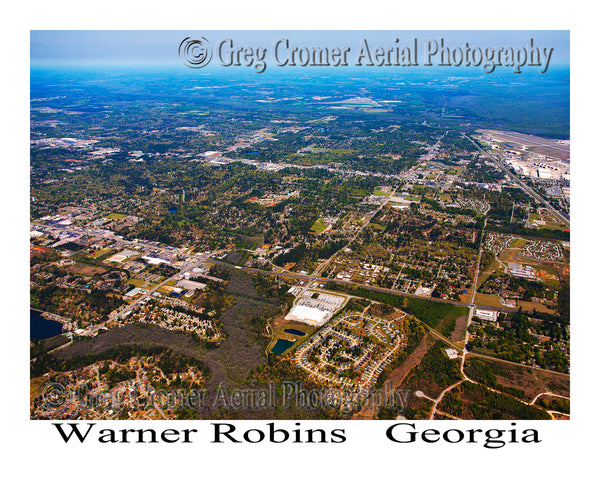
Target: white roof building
134,291
452,353
489,315
190,285
155,260
310,315
544,173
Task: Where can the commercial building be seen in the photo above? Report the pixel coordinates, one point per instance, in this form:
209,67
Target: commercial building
155,260
488,315
309,315
122,256
518,270
190,285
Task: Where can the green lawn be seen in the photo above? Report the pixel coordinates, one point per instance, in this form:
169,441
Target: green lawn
115,216
318,227
518,243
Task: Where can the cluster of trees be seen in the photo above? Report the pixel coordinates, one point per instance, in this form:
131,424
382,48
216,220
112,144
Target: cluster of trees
279,370
268,286
526,289
120,354
414,332
564,300
479,172
329,248
429,311
487,258
555,404
171,362
117,375
480,371
474,401
53,299
516,229
295,255
435,371
435,205
515,341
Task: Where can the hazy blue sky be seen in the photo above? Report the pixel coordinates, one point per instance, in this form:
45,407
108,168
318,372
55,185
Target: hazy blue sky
140,47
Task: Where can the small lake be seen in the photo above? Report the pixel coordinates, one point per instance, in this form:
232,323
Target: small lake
293,331
172,210
40,328
281,346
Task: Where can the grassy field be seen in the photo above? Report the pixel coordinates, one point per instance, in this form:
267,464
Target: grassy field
494,301
136,282
531,306
457,335
279,328
376,226
549,276
518,243
115,216
551,221
435,314
496,266
379,193
489,300
318,227
101,254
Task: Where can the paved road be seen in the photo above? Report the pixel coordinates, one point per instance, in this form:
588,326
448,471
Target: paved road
464,350
472,309
324,265
309,278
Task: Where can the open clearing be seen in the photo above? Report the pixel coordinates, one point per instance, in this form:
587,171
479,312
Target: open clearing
85,270
530,380
115,216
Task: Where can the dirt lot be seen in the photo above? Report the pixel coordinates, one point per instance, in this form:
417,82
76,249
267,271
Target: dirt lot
458,334
564,274
87,270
